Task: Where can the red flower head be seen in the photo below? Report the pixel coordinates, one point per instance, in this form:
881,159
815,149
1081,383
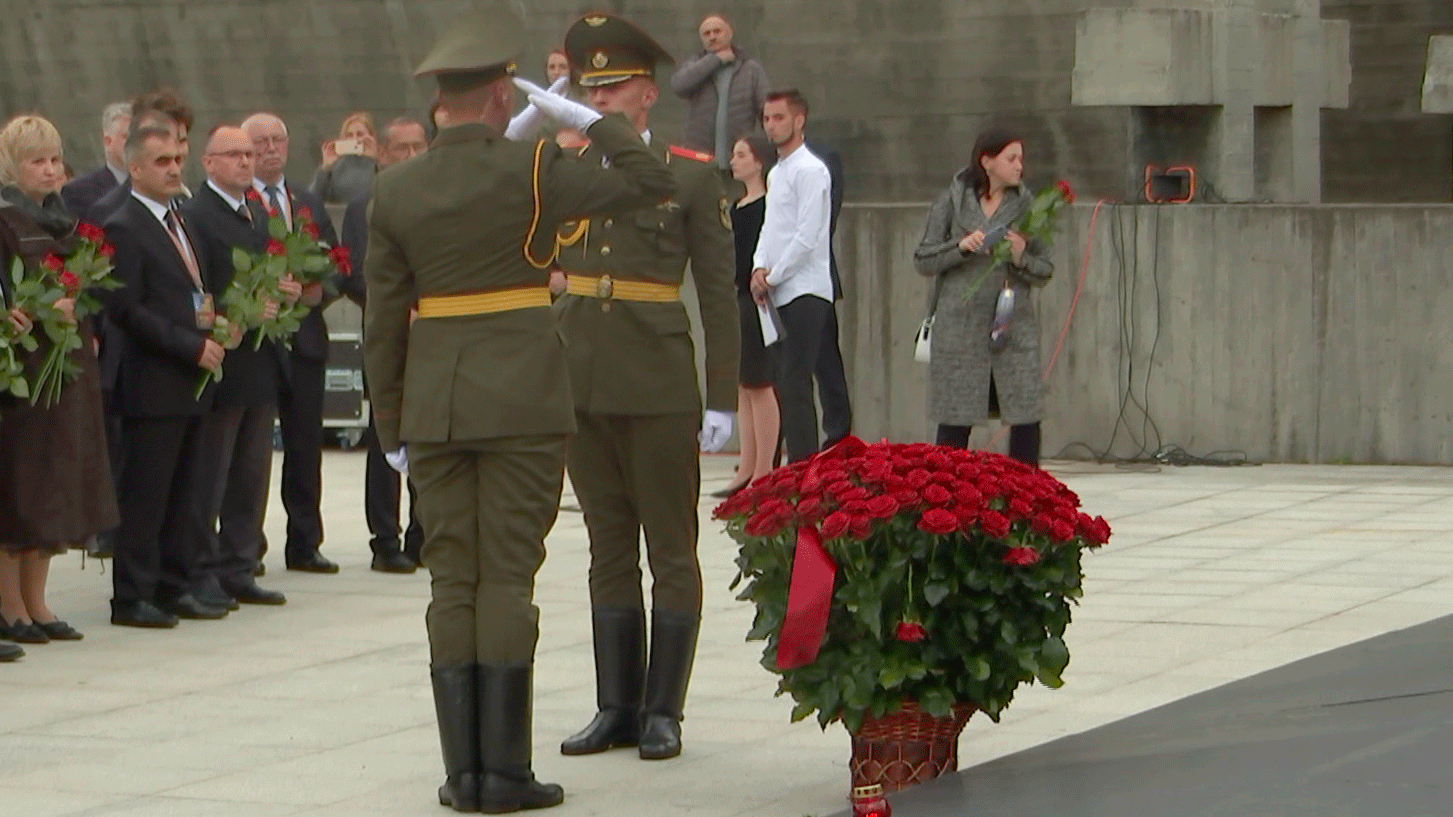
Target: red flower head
90,232
1062,530
1021,557
71,283
1064,191
107,251
310,230
835,525
1020,508
275,247
937,495
53,263
882,507
910,631
303,215
860,527
938,521
810,510
995,525
917,478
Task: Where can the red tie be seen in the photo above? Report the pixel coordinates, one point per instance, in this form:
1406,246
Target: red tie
174,229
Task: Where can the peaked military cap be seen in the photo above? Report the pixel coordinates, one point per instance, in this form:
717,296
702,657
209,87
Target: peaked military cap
477,47
607,49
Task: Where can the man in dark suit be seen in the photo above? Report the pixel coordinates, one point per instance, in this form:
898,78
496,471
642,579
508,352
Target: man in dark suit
164,318
300,400
402,138
832,380
84,191
238,430
160,108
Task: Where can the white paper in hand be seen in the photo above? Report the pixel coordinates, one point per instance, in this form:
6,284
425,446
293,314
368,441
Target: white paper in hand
770,335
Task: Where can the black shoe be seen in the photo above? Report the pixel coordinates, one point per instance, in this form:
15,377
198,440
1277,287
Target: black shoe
456,701
252,594
414,550
140,614
620,672
393,562
186,606
23,632
313,563
60,631
10,651
727,492
215,597
507,783
673,650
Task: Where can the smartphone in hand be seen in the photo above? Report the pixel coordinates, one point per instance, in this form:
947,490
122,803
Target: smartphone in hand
348,147
992,237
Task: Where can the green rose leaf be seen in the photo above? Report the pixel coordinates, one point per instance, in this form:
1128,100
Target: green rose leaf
935,592
1054,656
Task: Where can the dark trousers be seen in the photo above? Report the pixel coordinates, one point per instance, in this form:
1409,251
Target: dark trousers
241,438
635,473
300,414
115,452
803,320
381,489
1023,440
163,509
832,383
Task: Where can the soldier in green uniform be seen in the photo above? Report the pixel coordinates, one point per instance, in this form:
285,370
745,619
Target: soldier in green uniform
477,386
634,461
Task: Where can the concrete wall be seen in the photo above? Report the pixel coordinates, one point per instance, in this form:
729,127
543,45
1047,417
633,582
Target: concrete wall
1290,333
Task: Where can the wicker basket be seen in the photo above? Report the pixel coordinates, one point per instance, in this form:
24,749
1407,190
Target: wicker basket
907,747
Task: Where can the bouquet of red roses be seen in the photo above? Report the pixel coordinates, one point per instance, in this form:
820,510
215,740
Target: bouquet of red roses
12,367
306,257
256,286
78,276
891,573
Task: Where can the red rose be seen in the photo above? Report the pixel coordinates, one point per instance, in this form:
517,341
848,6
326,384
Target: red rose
967,517
938,521
90,232
855,507
937,495
1019,507
762,524
860,527
910,631
304,215
882,507
839,487
275,247
907,497
1042,523
809,510
1021,557
310,230
1061,530
938,459
107,250
995,525
53,263
943,477
1096,531
968,495
856,494
1064,191
71,283
339,256
835,525
917,478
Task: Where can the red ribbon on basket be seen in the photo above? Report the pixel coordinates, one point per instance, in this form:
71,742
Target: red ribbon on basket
809,592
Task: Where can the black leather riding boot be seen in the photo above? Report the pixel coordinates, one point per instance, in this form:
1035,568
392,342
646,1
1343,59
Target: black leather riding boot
620,670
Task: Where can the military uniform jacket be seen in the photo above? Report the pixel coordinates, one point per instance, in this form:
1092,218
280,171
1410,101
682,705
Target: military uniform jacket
638,357
478,213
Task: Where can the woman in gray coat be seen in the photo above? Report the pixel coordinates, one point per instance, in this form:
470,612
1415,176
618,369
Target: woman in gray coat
969,378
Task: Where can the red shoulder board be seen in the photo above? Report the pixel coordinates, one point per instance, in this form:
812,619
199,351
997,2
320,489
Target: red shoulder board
686,153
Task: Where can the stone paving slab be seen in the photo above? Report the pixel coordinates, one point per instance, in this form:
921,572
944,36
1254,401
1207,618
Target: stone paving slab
322,707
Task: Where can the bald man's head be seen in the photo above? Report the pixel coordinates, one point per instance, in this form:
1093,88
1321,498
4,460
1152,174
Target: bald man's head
716,33
269,137
228,160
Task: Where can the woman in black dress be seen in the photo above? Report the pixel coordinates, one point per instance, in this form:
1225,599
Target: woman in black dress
752,157
55,478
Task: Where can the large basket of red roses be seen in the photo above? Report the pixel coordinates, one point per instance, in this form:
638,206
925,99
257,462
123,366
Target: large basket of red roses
898,581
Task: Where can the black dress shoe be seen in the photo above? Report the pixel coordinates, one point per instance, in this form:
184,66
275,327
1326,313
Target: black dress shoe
252,594
313,563
10,651
215,597
60,631
393,562
186,606
140,614
23,632
727,492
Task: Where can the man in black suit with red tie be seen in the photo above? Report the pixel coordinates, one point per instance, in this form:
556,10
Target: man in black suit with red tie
164,315
300,401
238,429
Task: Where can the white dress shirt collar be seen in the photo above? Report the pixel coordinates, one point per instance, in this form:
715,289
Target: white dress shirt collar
232,203
157,208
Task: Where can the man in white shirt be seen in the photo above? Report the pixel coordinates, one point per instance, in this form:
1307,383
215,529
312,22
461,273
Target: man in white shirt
792,265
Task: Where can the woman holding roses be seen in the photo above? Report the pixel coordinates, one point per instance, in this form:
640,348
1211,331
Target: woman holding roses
55,480
969,378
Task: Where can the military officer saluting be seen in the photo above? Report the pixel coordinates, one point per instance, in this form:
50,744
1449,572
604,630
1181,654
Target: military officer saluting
634,461
476,387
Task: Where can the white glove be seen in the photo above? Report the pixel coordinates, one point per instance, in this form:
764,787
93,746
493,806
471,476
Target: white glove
716,429
568,113
525,123
399,460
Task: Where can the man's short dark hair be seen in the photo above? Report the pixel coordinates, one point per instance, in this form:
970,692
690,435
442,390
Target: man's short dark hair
796,102
167,102
139,136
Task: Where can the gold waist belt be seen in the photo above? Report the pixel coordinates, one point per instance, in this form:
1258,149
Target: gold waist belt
607,288
483,303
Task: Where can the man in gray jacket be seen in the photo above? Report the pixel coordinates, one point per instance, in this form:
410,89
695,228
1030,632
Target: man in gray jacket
724,89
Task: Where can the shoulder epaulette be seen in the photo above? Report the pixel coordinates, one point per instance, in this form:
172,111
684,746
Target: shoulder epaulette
687,153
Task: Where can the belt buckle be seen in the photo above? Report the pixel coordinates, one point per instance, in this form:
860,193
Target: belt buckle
604,287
